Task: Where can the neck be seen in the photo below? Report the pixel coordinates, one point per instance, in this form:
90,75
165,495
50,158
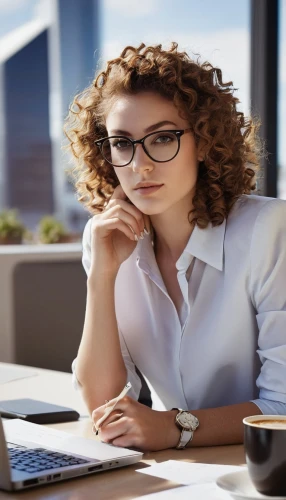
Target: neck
172,231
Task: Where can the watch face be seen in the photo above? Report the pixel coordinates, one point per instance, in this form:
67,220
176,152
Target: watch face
187,420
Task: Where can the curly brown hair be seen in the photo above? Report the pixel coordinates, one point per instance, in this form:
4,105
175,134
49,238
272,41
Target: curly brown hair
230,141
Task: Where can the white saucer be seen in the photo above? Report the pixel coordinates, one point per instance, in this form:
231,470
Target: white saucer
239,485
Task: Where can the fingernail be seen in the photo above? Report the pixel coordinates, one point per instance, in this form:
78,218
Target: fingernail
135,237
146,231
142,235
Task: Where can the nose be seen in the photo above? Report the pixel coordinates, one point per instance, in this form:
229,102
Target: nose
141,160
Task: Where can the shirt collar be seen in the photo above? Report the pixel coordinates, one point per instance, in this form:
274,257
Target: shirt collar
206,245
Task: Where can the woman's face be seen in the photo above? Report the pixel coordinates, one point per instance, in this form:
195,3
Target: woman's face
134,117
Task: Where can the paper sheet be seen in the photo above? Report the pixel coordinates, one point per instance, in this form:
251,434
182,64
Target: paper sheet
10,373
198,478
62,441
209,491
188,473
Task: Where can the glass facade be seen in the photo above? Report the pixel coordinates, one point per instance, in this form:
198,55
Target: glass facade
48,53
26,117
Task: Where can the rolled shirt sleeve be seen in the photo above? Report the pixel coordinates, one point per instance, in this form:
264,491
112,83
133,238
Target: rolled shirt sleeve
130,367
268,291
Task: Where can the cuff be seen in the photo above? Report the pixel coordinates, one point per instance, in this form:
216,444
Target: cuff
270,407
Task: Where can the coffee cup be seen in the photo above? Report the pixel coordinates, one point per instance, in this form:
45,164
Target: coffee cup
265,450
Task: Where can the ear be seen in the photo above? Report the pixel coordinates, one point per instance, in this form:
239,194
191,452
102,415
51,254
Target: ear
200,154
200,151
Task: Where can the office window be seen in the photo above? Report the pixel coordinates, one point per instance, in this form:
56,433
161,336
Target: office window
282,102
219,31
15,13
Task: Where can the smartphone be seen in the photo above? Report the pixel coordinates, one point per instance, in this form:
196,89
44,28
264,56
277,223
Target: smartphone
38,412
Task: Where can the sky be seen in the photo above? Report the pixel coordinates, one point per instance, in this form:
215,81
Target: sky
215,30
219,31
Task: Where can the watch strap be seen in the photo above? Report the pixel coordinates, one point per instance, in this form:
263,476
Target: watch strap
185,438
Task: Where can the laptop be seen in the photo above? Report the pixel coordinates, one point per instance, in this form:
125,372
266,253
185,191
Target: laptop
25,464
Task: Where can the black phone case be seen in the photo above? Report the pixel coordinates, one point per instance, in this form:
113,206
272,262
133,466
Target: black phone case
38,412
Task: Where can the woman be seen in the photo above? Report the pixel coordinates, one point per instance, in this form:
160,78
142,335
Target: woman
185,266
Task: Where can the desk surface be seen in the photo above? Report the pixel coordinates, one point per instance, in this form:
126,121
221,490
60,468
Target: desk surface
55,387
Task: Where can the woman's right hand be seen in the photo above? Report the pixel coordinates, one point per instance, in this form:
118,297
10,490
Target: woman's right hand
114,233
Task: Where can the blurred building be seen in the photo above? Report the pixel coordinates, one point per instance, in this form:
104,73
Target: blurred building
43,64
26,174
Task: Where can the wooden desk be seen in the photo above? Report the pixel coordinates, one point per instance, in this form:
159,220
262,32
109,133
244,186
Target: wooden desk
119,484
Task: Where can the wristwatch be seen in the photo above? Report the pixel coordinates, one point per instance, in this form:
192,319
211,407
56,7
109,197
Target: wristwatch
187,423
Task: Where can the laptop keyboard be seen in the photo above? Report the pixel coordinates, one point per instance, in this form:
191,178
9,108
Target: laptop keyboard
39,459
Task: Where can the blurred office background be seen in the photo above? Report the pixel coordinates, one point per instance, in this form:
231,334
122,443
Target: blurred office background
50,50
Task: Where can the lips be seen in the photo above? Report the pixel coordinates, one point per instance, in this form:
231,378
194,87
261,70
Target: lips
146,190
146,185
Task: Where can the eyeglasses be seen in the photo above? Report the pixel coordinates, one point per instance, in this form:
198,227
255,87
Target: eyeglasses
160,146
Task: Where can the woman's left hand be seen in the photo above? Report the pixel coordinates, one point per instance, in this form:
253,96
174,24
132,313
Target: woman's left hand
132,424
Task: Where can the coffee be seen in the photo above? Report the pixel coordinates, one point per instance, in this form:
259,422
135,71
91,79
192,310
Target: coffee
270,424
265,449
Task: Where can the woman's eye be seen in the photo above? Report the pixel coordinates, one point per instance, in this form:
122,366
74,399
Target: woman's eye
120,144
163,139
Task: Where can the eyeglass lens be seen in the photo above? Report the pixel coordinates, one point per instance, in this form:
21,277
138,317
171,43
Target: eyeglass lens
161,146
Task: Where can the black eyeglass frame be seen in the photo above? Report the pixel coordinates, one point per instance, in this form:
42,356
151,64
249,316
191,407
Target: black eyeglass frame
177,133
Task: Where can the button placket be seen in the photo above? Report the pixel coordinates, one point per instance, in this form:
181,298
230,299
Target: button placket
182,266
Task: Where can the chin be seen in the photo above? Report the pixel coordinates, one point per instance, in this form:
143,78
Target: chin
150,208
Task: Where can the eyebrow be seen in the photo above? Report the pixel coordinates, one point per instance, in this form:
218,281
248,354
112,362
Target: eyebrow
147,130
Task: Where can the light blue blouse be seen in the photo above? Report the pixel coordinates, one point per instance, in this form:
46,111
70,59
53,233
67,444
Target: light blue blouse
228,344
